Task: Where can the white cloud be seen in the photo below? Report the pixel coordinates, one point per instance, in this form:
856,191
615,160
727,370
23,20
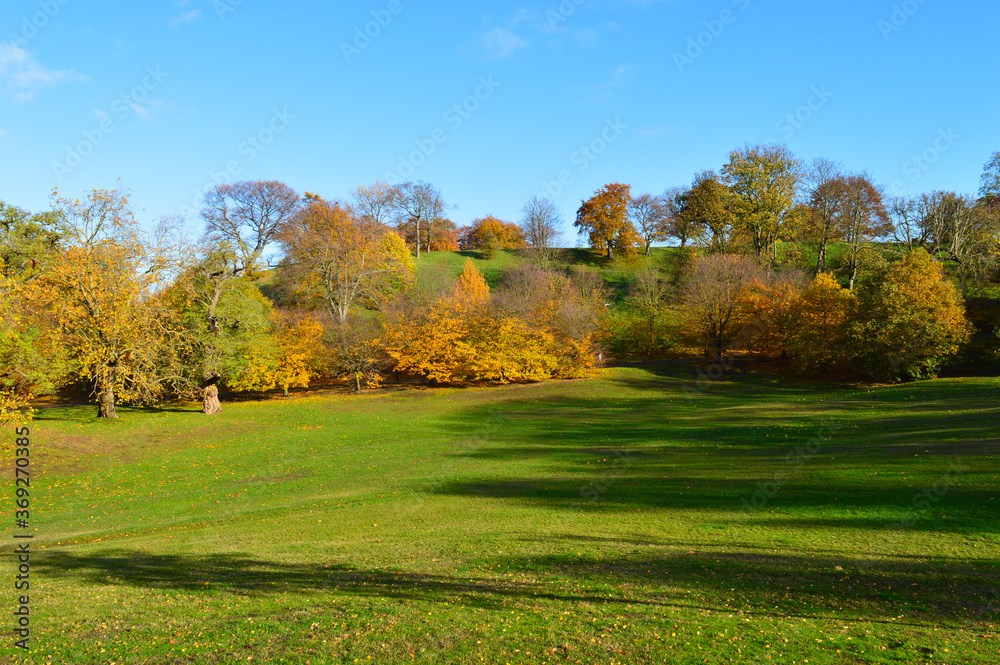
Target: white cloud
186,17
21,77
501,42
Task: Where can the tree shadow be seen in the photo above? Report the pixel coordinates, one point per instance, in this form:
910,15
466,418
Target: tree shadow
768,585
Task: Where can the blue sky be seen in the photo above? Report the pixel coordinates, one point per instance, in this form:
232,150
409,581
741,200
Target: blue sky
492,102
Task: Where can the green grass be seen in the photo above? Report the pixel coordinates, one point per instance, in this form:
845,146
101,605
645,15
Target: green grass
595,521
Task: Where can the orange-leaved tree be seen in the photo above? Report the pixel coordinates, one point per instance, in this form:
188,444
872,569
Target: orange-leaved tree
338,260
770,317
605,218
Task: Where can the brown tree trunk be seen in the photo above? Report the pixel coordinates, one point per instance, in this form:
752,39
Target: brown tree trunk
106,406
357,382
212,405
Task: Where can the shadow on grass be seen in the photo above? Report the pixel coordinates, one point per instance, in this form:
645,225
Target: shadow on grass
651,448
767,585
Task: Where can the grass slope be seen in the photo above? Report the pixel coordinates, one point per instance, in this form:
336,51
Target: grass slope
600,521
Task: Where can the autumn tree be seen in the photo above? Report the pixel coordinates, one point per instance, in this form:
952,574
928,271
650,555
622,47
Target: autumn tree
770,315
540,222
763,181
32,356
861,218
354,350
908,321
605,217
433,341
494,232
105,283
713,298
287,358
247,216
339,261
650,215
683,228
821,315
707,205
825,189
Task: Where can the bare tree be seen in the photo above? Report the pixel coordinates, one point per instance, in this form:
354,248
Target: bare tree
374,203
540,223
247,215
417,204
649,215
824,187
712,297
950,227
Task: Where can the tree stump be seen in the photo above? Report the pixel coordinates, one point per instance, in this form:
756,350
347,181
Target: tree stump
106,406
212,405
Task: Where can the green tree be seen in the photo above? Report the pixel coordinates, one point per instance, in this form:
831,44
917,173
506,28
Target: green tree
707,205
763,181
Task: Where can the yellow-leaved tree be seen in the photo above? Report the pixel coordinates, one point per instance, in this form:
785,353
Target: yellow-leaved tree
106,288
909,320
821,314
288,358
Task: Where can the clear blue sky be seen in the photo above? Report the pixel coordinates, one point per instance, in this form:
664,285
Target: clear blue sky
166,93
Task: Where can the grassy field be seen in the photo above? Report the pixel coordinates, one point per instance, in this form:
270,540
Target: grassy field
645,516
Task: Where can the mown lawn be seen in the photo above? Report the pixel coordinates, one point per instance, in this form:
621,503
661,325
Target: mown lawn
601,521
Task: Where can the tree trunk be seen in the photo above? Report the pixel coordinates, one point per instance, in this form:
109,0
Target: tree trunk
212,405
285,389
821,259
357,382
418,238
106,406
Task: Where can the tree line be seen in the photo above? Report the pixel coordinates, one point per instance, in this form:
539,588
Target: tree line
90,298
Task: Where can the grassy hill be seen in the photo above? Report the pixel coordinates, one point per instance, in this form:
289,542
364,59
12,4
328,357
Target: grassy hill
640,517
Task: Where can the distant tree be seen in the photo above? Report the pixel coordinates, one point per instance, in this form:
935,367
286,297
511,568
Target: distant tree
418,207
908,321
540,223
861,218
952,228
650,216
490,234
605,217
355,351
247,216
340,261
770,318
707,206
713,296
824,180
683,228
763,181
374,203
990,184
446,235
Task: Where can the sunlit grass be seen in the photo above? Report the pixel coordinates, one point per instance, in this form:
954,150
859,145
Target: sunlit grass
596,521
